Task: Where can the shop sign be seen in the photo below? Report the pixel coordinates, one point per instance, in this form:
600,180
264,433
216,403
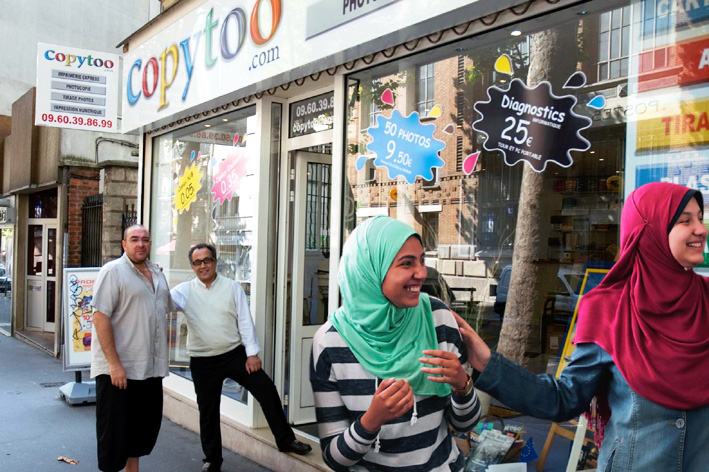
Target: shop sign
326,14
78,316
76,88
689,127
404,146
689,173
222,49
689,64
312,115
686,12
531,124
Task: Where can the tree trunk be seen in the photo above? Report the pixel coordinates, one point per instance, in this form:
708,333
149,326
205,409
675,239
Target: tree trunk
551,59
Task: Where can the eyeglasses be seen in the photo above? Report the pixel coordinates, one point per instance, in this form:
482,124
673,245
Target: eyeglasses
206,260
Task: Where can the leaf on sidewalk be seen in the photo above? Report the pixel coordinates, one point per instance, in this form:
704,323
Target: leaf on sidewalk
67,460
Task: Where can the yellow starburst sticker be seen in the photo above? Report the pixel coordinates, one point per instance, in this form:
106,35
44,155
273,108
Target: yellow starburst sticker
187,187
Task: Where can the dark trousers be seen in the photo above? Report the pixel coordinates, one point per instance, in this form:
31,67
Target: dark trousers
208,374
127,421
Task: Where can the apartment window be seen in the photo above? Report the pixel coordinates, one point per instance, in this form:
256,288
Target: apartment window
653,26
424,89
429,230
614,44
369,171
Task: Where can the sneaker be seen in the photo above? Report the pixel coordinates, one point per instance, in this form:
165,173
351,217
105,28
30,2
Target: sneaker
209,467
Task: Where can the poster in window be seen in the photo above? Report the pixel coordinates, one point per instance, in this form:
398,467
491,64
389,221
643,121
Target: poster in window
532,124
78,316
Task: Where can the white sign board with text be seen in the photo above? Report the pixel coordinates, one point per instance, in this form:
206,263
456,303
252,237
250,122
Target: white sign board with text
77,88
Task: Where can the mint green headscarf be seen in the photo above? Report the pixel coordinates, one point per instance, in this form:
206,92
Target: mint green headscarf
386,340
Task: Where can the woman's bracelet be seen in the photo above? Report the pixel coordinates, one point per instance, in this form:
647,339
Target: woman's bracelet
465,391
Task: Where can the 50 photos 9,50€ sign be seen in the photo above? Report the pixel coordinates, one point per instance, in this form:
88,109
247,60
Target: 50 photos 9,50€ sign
77,88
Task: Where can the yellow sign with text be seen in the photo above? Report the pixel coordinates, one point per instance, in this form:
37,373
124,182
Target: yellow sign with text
187,187
688,128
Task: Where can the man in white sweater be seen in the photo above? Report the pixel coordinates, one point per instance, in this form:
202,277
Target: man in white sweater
222,344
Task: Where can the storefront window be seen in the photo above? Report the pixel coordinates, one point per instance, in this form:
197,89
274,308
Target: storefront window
631,77
204,192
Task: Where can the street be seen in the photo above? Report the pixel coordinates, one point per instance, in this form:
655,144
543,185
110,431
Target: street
38,426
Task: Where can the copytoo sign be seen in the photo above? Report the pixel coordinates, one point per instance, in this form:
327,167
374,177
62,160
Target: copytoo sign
215,41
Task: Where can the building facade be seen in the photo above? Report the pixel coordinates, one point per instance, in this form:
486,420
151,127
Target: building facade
52,178
501,133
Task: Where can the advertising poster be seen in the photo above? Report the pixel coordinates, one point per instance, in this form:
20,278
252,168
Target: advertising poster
77,88
404,145
78,316
187,187
229,175
531,124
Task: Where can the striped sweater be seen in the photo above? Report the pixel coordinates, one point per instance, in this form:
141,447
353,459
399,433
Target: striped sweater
344,390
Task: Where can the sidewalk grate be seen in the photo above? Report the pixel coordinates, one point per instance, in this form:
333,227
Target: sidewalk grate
51,384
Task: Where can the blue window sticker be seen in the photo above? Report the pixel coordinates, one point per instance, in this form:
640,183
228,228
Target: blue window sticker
404,146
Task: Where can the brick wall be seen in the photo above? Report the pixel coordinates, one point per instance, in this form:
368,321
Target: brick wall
82,183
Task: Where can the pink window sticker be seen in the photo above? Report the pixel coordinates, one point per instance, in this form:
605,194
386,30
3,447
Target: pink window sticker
231,171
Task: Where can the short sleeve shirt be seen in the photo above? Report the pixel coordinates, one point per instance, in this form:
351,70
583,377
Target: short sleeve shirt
138,312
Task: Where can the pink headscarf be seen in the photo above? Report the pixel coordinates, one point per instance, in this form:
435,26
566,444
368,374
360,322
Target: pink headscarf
649,313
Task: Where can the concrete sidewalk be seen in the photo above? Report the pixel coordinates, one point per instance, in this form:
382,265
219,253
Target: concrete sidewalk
36,426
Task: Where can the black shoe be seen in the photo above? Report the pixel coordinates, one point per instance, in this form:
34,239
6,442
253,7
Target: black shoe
209,467
297,447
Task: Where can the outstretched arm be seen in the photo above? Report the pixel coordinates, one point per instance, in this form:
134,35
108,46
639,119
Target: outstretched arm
478,351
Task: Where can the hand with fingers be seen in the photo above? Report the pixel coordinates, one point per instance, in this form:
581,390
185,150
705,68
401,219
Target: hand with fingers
447,368
118,377
392,399
478,351
253,364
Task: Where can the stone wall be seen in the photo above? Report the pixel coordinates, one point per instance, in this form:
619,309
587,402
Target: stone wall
119,196
83,182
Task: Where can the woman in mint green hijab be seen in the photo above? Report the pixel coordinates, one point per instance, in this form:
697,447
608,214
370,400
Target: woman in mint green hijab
387,373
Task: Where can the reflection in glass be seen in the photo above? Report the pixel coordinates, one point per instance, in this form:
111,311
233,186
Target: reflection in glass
221,212
34,249
317,243
51,300
469,220
6,264
43,204
51,252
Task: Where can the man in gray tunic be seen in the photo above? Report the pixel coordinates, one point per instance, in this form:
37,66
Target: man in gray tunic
131,301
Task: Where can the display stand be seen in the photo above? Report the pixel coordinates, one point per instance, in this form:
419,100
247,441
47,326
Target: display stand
78,392
78,321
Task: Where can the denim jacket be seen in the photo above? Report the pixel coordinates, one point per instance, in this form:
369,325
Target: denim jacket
640,436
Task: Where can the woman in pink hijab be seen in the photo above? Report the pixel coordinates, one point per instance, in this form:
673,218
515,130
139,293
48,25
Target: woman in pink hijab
642,345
